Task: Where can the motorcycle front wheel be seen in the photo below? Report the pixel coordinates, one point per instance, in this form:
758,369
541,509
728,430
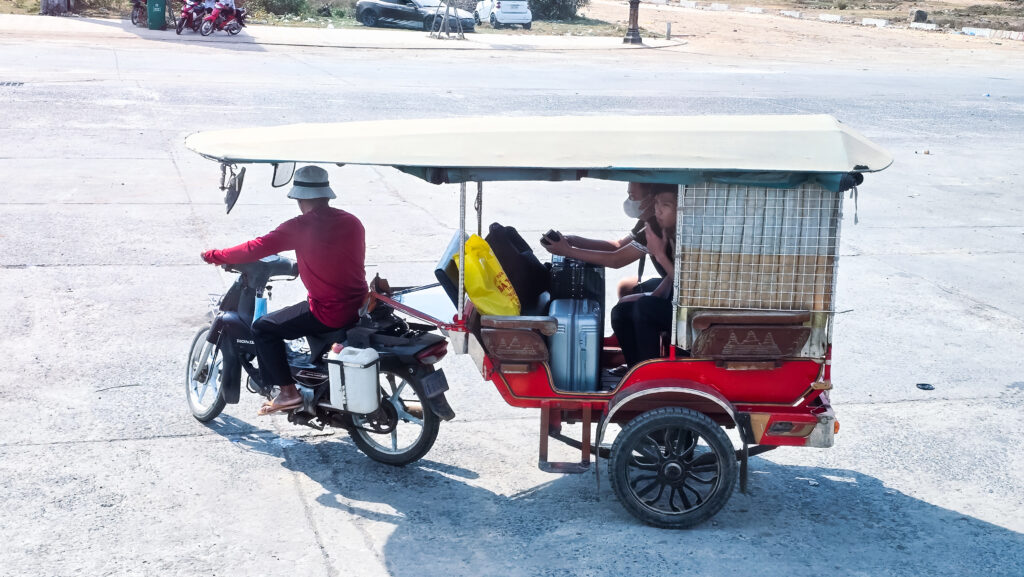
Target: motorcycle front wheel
136,15
404,429
234,28
206,28
204,378
180,26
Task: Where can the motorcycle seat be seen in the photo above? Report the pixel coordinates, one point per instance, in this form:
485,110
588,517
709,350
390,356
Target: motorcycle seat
318,344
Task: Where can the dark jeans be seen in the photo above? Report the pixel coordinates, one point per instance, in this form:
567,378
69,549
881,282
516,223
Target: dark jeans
639,324
271,331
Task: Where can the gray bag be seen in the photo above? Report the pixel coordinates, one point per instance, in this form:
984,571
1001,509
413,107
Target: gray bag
576,346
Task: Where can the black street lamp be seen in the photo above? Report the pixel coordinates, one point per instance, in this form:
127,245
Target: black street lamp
633,33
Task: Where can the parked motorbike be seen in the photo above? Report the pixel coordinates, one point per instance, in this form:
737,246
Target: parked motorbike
399,411
192,13
139,12
223,17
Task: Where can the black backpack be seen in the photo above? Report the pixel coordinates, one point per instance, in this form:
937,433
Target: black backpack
529,277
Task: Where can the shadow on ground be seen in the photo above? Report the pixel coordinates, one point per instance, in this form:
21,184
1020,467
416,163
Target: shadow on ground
795,521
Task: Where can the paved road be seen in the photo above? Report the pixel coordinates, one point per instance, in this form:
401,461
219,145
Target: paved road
103,472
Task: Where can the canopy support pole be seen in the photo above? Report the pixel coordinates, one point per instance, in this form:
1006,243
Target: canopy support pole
479,208
677,270
462,249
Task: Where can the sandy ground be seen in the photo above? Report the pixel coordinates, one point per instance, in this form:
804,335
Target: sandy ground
772,37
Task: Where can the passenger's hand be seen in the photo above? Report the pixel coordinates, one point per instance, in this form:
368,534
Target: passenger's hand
559,247
207,257
655,243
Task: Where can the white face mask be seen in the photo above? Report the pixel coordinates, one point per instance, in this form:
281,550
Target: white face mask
633,208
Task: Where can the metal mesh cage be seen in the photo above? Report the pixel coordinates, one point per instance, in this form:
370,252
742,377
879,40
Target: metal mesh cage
760,248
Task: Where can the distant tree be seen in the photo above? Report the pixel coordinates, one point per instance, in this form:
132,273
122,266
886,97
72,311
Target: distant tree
556,9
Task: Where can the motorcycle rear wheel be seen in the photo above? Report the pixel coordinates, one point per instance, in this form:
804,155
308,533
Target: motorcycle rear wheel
136,15
180,26
206,28
234,28
204,379
413,435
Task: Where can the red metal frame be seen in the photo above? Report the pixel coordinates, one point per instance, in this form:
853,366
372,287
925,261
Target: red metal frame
793,391
456,325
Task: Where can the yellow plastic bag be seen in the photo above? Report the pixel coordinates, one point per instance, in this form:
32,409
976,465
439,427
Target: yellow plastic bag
487,286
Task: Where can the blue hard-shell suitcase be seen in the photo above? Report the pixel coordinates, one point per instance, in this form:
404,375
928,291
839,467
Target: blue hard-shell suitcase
576,346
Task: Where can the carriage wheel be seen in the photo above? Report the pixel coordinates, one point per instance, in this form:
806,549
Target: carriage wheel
673,467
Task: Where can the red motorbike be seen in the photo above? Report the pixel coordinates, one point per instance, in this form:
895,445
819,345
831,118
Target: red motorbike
224,17
192,12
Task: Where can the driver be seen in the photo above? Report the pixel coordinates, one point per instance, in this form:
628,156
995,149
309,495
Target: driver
330,248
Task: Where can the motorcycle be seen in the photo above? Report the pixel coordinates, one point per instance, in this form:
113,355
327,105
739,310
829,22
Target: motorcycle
223,17
192,12
400,422
139,13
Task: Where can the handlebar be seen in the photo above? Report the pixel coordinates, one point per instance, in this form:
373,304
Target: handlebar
259,272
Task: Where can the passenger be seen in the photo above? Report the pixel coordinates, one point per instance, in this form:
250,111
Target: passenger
639,319
330,248
619,253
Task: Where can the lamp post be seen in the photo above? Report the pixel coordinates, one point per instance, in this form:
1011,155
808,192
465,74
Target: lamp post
633,33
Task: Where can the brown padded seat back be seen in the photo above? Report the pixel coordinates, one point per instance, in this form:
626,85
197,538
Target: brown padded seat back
514,339
514,345
705,319
750,335
547,326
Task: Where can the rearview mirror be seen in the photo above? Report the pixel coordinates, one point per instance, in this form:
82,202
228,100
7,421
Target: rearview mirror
283,173
234,189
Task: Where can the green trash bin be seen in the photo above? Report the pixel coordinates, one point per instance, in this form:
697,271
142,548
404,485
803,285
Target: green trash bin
155,14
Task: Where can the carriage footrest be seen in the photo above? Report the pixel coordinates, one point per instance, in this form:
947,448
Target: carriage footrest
546,430
564,468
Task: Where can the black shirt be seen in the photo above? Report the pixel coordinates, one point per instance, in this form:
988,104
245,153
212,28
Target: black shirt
639,240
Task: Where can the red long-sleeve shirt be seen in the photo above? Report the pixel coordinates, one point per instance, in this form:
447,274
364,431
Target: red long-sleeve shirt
330,246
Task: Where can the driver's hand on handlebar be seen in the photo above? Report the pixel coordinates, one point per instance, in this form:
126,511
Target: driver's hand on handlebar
207,257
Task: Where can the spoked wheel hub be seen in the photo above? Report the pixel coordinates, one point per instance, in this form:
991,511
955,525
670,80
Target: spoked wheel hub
672,472
383,420
666,474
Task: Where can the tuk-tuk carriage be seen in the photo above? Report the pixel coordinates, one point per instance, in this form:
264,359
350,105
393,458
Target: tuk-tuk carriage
759,209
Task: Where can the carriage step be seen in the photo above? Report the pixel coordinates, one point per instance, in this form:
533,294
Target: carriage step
564,468
568,468
605,452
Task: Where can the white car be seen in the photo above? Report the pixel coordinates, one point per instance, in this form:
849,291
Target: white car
502,13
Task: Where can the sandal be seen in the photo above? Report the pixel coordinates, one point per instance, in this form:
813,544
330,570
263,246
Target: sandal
272,406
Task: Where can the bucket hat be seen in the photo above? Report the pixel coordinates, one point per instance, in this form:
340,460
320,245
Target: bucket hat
311,182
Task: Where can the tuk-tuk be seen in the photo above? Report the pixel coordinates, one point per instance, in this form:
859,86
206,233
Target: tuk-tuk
758,215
